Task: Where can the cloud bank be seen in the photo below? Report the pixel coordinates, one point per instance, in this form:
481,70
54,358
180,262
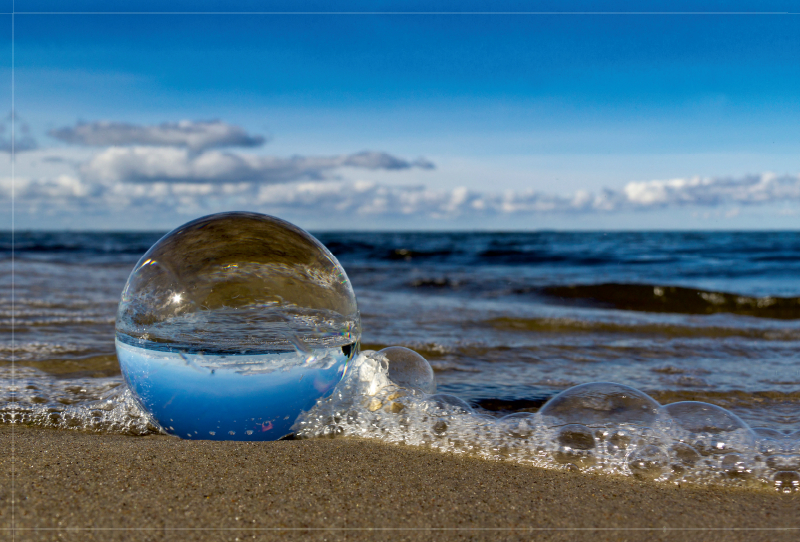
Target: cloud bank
165,164
185,152
364,198
176,168
193,135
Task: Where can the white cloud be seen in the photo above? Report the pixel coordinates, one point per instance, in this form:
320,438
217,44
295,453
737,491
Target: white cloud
749,190
174,168
168,164
193,135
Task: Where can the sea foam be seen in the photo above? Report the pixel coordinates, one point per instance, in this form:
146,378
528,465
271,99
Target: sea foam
599,427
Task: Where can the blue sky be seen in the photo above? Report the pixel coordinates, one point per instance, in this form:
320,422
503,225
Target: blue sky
420,121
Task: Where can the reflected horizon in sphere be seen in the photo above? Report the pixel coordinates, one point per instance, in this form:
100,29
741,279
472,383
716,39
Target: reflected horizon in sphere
233,324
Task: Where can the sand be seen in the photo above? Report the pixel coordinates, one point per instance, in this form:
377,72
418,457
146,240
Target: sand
70,485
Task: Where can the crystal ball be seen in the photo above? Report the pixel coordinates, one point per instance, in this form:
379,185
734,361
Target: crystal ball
233,324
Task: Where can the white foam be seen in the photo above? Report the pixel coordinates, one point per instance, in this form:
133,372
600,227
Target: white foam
679,443
91,404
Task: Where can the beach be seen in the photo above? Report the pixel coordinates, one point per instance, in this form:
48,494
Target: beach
72,485
507,322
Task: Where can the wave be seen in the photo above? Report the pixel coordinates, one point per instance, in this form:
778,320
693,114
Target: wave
69,246
569,325
675,299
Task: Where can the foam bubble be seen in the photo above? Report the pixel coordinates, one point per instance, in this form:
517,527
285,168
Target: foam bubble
648,461
787,481
115,411
708,428
600,404
408,369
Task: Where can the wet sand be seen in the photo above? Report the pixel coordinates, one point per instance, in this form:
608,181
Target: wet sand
70,485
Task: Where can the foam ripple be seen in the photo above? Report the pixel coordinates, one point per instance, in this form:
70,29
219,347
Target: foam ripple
91,404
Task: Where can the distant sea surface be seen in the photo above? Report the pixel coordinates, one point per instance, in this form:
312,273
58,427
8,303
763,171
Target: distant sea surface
507,320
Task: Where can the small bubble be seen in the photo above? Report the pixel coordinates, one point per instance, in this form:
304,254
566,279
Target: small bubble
735,466
647,462
449,404
576,445
520,425
780,462
699,417
787,481
685,454
576,437
618,441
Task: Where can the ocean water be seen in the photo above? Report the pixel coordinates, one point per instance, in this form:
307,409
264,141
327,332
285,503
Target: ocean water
507,321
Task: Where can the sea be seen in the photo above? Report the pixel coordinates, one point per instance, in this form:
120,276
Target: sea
507,320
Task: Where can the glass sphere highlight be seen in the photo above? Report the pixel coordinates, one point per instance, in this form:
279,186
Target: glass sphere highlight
233,324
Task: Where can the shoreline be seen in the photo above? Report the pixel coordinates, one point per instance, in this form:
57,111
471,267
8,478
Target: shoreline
86,486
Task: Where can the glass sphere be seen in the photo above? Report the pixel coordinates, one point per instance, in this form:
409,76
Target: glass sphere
233,324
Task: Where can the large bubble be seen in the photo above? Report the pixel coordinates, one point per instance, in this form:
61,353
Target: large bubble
601,404
233,324
408,369
708,428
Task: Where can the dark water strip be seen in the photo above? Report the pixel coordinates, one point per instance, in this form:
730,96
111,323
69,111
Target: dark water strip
569,325
675,299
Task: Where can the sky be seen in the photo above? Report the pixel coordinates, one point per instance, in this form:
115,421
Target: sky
401,115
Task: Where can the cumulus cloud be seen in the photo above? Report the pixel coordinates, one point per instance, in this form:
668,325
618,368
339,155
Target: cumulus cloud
175,165
749,190
193,135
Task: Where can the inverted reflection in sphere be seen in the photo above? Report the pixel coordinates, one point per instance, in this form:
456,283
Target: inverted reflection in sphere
233,324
